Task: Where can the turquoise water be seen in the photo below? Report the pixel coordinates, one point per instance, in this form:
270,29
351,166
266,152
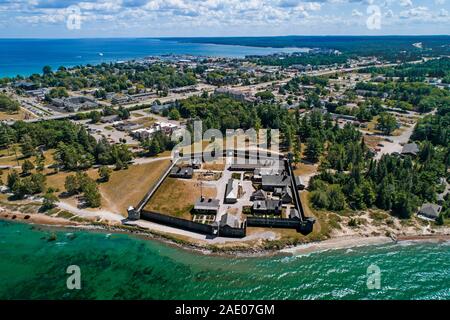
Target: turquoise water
27,56
117,266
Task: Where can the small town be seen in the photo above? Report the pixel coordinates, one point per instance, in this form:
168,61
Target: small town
134,117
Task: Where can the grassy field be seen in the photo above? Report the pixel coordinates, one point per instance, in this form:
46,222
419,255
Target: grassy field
177,197
305,169
218,165
127,187
144,121
19,115
8,158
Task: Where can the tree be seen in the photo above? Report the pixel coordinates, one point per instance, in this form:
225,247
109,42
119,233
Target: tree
154,148
7,104
72,184
104,172
265,95
26,146
319,199
13,177
313,149
123,113
387,123
95,116
27,166
50,200
337,198
46,70
92,195
174,114
40,162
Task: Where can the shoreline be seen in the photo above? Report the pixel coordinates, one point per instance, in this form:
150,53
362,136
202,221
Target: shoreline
336,243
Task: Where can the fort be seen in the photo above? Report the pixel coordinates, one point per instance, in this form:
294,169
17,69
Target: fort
261,192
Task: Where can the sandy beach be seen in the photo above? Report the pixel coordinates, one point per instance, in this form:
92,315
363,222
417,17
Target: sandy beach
336,243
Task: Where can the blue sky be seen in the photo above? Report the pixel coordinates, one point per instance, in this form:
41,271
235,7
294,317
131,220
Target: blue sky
155,18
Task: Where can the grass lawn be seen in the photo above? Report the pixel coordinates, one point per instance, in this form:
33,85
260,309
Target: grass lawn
10,160
305,169
218,165
145,121
127,187
19,115
176,197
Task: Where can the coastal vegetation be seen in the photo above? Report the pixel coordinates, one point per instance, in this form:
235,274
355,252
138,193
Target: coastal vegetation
110,77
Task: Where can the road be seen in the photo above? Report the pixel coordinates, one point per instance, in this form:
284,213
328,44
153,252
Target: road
207,88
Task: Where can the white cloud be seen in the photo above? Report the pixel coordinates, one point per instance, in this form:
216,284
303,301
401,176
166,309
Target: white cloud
356,13
389,14
406,3
417,12
443,13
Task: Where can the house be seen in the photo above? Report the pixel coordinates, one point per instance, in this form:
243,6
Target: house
268,206
109,119
258,195
233,191
206,206
143,133
294,215
159,108
38,93
75,104
127,126
286,196
181,173
230,226
25,85
430,211
259,172
410,149
270,182
299,182
234,94
120,99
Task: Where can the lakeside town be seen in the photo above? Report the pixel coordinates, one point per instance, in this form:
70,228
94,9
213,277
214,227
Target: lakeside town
363,148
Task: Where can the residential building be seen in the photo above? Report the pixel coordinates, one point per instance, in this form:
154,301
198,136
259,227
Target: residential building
430,211
206,206
410,149
181,173
233,191
266,207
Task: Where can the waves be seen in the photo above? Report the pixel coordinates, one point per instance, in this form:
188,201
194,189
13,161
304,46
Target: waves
124,267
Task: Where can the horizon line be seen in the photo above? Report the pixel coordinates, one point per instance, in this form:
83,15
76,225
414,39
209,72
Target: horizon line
209,37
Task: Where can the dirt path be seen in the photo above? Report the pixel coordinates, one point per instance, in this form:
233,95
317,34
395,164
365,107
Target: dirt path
104,214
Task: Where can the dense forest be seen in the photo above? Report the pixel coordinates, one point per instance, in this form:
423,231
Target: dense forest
436,68
75,148
415,96
7,104
391,48
350,178
304,59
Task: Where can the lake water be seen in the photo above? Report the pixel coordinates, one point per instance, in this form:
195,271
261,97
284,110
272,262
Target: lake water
117,266
27,56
